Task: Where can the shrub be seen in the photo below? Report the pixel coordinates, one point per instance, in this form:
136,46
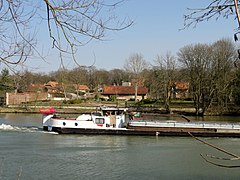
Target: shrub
72,101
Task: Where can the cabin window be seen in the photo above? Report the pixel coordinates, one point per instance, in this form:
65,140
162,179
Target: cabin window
76,124
99,120
64,123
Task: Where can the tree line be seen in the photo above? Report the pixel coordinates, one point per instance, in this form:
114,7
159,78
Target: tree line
212,70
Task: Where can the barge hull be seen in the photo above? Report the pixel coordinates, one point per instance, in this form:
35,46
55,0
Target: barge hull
147,132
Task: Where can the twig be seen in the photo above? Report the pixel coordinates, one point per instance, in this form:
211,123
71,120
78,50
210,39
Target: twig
186,118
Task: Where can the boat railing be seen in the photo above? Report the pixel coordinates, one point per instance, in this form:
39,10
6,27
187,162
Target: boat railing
176,124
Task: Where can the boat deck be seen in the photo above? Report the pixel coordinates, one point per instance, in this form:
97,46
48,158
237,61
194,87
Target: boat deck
177,124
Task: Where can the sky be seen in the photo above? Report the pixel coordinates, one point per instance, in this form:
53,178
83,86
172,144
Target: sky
156,31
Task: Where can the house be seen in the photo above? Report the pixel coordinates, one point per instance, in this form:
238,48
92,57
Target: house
82,88
52,84
39,92
36,88
53,87
124,92
180,90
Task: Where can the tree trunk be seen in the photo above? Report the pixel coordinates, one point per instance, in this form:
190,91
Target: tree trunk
136,90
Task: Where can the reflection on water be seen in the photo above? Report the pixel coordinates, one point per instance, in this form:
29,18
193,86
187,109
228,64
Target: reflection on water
39,155
218,118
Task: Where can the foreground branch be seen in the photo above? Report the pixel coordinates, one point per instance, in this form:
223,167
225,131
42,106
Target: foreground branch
235,157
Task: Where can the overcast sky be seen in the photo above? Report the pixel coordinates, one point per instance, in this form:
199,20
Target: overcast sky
155,32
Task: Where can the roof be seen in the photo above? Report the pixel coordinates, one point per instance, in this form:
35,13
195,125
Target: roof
182,85
82,87
35,87
123,90
52,84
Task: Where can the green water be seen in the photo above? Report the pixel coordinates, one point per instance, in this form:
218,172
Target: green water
26,152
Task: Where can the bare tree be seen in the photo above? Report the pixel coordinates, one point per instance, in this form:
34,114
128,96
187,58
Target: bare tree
78,76
117,76
197,59
16,41
213,9
224,54
166,66
135,64
62,77
70,23
210,73
78,22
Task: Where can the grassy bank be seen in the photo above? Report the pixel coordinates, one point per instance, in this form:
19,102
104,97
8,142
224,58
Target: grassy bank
36,109
179,107
90,107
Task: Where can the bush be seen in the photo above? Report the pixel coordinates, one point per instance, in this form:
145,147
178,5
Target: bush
72,101
148,101
113,98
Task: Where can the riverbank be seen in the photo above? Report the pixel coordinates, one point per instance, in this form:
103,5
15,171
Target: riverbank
35,109
73,109
91,107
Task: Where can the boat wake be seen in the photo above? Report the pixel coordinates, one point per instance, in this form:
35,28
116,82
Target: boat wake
10,128
50,132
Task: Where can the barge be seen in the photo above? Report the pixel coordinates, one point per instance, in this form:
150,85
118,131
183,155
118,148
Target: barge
115,121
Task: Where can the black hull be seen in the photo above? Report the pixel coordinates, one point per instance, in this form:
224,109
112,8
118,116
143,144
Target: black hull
45,128
145,132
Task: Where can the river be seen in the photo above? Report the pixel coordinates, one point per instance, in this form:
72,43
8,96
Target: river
27,153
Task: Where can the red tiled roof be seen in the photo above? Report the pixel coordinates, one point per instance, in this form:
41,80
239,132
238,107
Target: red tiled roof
35,87
82,87
52,84
123,90
182,85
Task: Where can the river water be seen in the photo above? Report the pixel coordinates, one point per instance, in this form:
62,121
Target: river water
26,152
